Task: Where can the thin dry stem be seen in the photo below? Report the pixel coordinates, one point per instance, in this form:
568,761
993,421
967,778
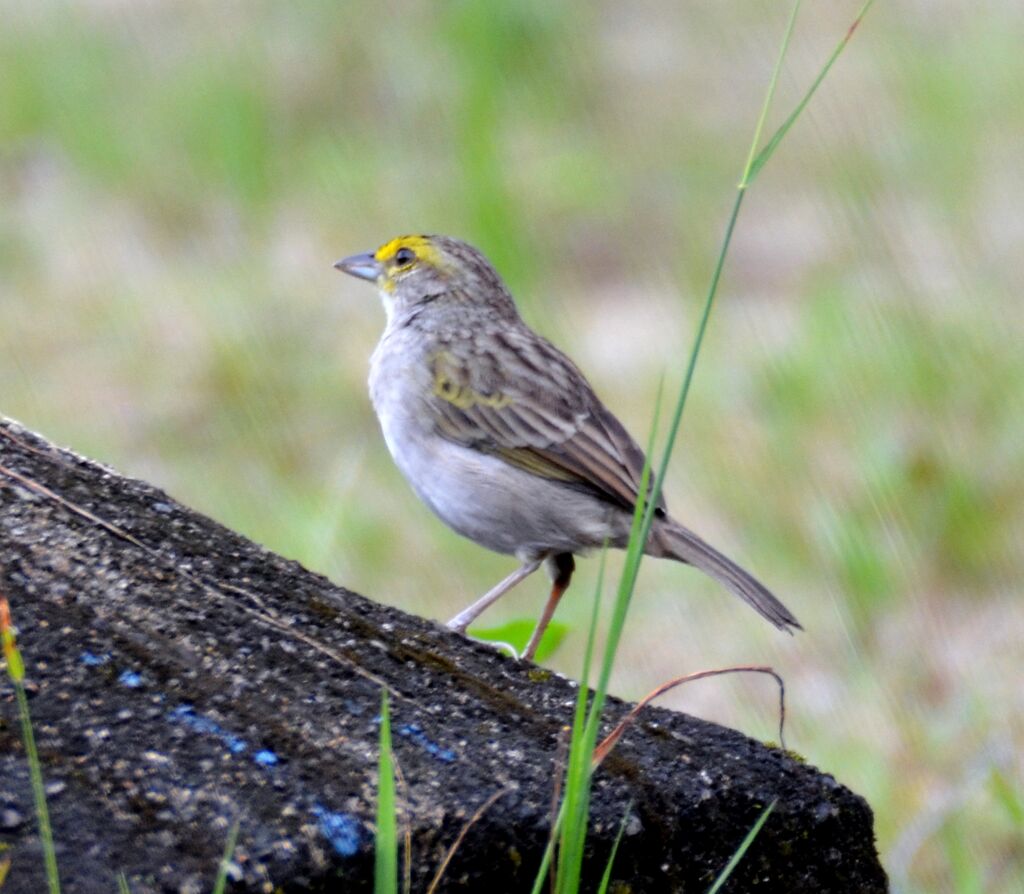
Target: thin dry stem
480,811
609,742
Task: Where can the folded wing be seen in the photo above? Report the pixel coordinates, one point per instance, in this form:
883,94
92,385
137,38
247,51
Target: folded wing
515,395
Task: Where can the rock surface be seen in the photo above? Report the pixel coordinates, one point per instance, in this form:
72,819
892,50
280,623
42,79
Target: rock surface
183,679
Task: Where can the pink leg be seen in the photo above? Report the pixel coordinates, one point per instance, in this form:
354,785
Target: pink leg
467,616
564,567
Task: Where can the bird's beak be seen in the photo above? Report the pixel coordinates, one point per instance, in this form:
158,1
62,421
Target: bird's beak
364,266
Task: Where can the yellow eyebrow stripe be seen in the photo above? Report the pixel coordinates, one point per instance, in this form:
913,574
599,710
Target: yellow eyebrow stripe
420,245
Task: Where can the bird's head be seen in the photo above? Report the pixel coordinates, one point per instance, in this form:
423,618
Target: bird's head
412,271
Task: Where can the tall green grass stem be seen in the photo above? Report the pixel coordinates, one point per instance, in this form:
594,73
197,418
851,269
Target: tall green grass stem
575,805
607,877
734,860
225,861
38,790
770,147
385,876
16,672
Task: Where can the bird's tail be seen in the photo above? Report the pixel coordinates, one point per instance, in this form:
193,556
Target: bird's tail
671,540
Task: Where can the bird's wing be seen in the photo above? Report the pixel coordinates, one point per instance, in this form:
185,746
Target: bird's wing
516,396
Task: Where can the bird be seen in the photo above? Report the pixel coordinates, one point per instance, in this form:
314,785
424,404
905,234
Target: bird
501,434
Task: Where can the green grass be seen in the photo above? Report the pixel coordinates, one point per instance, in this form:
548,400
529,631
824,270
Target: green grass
573,817
743,847
15,667
176,188
220,882
606,878
385,872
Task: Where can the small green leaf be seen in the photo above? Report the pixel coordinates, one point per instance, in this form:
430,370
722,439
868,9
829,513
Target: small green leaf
517,634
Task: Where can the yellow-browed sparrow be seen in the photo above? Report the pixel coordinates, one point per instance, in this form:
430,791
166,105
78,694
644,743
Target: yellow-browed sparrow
500,434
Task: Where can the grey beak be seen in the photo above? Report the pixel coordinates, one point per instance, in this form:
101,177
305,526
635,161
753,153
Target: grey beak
364,266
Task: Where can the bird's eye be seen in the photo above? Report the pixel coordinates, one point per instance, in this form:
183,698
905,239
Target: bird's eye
404,256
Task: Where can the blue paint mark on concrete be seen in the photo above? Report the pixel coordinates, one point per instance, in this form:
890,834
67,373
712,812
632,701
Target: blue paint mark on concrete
266,758
130,679
342,830
355,708
91,659
414,733
187,715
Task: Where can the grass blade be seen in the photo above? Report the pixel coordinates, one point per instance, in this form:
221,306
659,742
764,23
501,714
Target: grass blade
549,851
607,877
5,865
573,779
734,860
755,166
576,801
16,671
575,811
385,876
716,277
783,47
225,860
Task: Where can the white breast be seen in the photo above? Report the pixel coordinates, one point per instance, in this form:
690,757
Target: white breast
482,497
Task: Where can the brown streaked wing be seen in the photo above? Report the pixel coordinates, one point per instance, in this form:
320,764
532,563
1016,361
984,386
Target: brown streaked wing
539,414
603,454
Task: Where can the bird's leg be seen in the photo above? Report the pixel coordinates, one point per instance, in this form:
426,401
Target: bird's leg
468,615
563,566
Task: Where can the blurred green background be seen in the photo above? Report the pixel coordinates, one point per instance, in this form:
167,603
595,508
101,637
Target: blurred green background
177,179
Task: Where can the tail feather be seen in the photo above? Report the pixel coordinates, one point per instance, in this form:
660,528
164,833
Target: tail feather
673,541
